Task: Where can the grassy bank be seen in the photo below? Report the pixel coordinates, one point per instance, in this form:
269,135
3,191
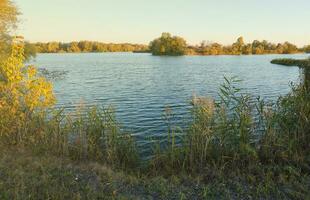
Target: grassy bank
25,175
304,63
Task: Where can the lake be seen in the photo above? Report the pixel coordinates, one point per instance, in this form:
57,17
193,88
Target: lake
141,86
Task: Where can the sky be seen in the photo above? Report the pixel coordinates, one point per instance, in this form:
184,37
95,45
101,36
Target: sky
140,21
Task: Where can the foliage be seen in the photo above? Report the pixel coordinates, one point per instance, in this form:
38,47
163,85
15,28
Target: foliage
307,49
87,46
171,45
8,20
8,16
168,45
22,93
241,48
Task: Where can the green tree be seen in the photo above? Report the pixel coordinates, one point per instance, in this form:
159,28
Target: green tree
307,49
289,48
257,47
168,45
85,46
53,47
216,49
73,47
247,49
238,46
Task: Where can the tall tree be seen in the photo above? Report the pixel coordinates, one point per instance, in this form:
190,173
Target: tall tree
237,47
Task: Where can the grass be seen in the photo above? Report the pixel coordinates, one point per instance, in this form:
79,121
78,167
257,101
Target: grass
28,176
304,63
236,148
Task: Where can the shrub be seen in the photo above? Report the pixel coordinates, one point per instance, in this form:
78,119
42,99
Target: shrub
23,94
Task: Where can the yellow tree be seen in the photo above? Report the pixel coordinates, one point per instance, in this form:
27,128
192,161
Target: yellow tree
168,45
238,46
8,19
23,94
8,16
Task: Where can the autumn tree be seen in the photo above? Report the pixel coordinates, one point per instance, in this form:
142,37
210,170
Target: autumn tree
73,47
237,47
289,48
307,49
85,46
257,47
247,49
8,20
53,47
168,45
23,94
8,16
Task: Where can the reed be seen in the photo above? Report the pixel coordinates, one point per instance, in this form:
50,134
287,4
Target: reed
239,132
85,135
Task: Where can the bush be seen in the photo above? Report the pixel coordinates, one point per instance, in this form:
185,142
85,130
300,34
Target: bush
23,95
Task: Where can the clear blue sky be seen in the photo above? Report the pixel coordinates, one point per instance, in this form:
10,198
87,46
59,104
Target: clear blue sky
139,21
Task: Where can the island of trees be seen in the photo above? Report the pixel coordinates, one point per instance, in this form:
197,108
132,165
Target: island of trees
168,45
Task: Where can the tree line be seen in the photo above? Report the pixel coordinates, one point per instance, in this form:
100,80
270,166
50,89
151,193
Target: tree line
241,48
169,45
87,46
306,49
174,45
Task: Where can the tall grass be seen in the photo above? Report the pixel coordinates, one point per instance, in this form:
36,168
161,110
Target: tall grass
87,134
238,132
304,63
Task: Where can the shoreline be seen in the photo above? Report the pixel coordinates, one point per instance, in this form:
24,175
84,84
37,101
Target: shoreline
131,52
